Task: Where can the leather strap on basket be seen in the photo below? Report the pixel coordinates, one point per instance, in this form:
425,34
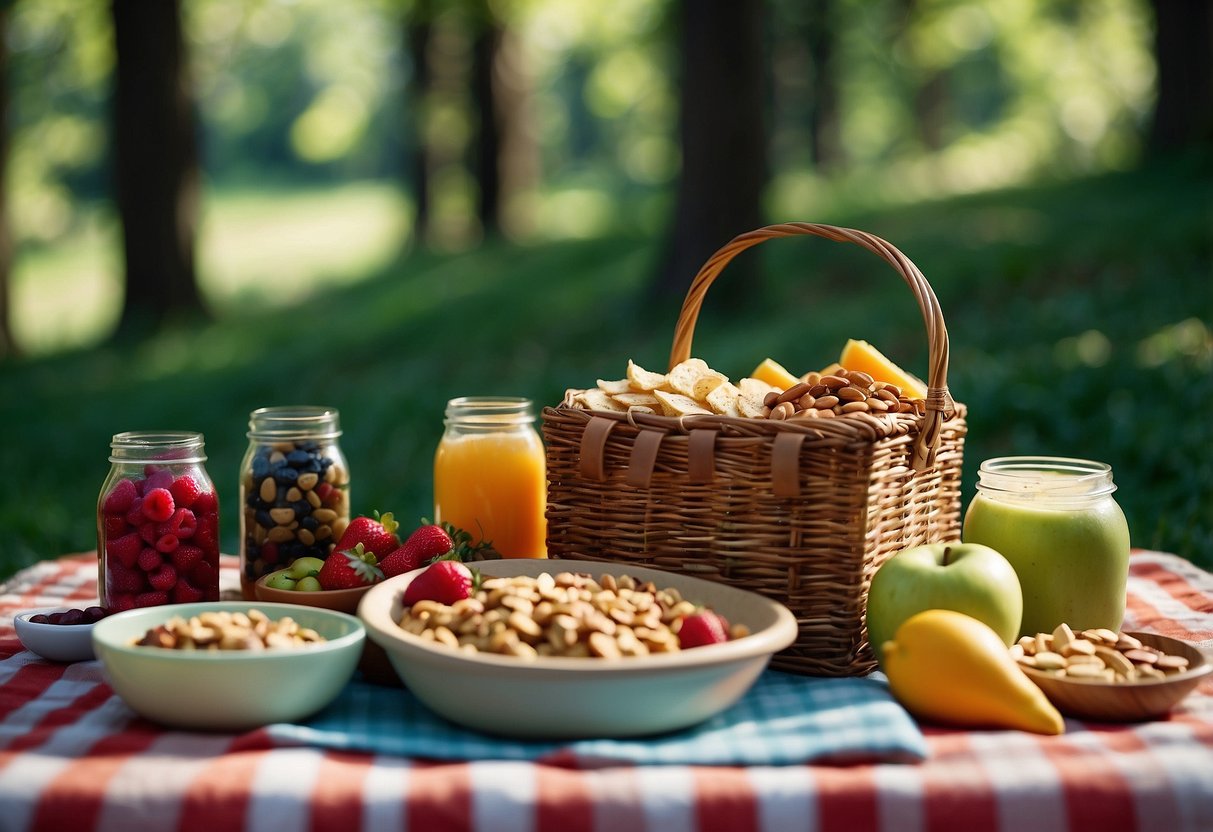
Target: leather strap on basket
938,400
644,457
785,463
701,456
592,463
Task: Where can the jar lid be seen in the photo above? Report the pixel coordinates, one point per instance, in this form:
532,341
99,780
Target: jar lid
1045,479
294,422
489,411
165,445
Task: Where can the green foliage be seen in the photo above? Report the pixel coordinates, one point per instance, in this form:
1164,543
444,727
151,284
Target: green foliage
1080,319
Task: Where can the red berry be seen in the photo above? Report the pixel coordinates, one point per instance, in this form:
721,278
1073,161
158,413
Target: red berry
702,628
158,505
423,545
164,578
183,523
115,526
167,543
121,602
324,491
444,581
150,559
185,491
204,575
269,552
121,579
148,532
125,549
346,570
134,514
186,557
151,599
186,593
119,500
207,533
157,478
206,503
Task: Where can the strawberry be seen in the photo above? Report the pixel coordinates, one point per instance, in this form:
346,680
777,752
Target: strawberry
444,581
423,546
376,534
701,628
346,570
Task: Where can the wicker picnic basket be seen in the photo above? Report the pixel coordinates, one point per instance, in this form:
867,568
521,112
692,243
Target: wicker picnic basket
801,511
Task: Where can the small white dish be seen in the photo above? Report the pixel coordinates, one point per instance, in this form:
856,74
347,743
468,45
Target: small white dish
55,642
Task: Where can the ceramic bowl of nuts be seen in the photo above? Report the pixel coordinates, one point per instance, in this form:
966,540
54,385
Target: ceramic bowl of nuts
1106,676
60,634
560,649
228,665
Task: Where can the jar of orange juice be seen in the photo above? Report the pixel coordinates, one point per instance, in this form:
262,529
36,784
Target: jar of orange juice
490,476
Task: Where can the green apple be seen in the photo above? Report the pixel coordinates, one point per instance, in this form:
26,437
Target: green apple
305,568
965,577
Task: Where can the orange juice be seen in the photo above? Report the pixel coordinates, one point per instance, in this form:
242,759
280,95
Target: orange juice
490,475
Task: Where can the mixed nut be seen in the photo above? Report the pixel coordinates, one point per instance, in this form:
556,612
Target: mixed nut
567,614
1097,655
221,630
838,394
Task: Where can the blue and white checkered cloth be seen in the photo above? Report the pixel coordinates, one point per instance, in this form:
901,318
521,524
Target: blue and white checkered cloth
782,720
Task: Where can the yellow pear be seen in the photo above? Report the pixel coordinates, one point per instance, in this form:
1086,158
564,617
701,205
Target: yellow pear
950,668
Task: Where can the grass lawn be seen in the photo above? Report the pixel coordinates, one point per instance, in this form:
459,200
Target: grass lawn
1080,317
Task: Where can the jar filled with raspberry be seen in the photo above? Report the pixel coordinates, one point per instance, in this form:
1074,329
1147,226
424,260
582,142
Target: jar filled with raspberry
294,489
157,522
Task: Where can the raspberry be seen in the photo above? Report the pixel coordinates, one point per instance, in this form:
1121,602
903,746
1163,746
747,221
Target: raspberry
183,523
186,558
148,532
119,500
126,549
149,560
206,503
134,515
207,533
167,543
158,505
185,491
115,526
157,478
204,575
151,599
164,578
186,593
123,579
121,602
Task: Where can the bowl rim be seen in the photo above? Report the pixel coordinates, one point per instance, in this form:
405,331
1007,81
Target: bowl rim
376,608
24,617
1193,672
103,639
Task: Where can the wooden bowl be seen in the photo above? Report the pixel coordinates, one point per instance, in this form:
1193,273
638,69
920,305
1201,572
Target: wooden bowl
340,600
1102,701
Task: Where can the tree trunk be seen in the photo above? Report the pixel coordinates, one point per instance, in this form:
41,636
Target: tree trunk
418,28
1183,50
156,164
825,125
486,161
723,137
8,346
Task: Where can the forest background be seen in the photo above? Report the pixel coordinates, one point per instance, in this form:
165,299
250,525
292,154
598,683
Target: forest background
215,205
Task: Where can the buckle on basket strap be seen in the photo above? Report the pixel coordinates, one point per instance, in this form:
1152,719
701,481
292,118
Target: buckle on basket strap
644,457
785,463
592,462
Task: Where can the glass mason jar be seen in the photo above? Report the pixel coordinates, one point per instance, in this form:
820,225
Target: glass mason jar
294,490
490,475
1055,520
157,523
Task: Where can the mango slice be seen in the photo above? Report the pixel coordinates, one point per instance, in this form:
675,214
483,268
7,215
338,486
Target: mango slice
862,356
775,375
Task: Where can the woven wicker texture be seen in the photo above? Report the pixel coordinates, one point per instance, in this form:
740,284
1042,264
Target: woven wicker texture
801,511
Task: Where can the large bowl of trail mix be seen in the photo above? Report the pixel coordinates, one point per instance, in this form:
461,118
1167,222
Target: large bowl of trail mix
557,649
228,665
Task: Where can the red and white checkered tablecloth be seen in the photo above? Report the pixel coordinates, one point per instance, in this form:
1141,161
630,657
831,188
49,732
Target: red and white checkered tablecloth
60,771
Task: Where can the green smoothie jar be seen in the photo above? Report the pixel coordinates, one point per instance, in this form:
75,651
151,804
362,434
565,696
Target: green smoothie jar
1055,520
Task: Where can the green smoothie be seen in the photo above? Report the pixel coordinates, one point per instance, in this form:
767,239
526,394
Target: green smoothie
1058,525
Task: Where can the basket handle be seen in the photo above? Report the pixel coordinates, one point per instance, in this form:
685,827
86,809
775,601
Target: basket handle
938,402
